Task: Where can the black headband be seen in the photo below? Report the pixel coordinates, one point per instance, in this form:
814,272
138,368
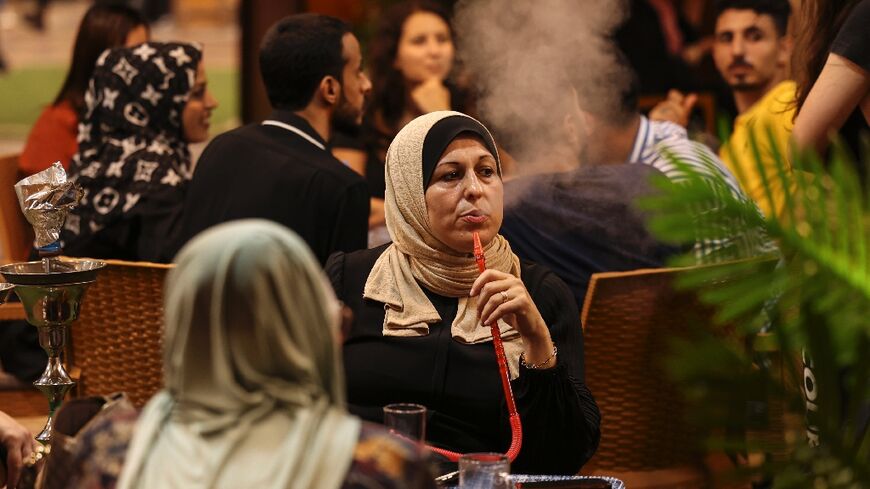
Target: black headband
443,133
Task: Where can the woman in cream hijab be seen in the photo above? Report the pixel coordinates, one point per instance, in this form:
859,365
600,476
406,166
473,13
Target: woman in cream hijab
420,302
254,392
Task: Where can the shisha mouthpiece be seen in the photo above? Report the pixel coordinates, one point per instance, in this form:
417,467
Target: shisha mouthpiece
479,257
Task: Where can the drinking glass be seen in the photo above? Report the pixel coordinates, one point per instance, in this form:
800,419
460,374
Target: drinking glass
408,420
484,471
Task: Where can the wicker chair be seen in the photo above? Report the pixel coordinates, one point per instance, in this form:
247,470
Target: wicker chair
628,319
117,342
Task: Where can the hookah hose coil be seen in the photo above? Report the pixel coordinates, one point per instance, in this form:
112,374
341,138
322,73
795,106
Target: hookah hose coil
516,424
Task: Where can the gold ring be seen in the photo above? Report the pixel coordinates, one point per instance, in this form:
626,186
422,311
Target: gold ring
504,297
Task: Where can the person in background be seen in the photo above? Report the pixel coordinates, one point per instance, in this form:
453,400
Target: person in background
751,50
584,221
36,19
53,136
281,169
17,443
413,71
832,70
144,105
421,310
657,41
581,216
255,393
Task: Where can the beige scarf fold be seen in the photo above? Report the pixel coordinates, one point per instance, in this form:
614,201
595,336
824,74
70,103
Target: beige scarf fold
417,257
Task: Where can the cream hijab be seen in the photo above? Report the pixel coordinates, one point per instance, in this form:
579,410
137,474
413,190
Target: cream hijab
418,257
254,391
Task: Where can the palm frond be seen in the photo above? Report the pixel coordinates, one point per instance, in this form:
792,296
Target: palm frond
816,300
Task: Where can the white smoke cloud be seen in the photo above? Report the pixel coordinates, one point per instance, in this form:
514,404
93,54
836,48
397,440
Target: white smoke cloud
526,55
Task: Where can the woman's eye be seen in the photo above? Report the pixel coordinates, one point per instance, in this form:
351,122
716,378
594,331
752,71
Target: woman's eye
487,171
454,175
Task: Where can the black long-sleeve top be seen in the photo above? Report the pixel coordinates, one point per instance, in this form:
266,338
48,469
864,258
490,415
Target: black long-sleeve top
459,383
287,176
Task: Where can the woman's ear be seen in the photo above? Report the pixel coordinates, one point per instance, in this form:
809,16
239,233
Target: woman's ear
330,90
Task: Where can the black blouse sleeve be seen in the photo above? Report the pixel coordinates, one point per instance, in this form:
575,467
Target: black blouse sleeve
853,40
561,421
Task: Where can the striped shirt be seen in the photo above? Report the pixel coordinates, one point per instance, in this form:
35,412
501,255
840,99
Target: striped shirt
658,144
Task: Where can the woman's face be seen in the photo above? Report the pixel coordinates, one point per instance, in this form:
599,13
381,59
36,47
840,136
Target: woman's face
425,48
465,195
197,112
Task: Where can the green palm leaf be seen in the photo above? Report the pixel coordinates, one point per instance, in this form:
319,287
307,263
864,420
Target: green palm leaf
816,300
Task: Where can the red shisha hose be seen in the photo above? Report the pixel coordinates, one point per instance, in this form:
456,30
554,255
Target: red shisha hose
516,424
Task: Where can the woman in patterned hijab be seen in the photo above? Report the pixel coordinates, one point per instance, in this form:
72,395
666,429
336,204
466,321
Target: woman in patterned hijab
143,106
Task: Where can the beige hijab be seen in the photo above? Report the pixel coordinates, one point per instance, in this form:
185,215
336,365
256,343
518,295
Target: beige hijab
418,257
254,391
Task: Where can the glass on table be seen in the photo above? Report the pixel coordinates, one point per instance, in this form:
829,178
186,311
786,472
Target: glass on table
484,471
408,420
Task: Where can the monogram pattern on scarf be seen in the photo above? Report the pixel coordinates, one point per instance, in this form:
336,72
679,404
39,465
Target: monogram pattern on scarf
131,142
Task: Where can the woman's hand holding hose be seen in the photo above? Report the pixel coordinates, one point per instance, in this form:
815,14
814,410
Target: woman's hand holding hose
504,296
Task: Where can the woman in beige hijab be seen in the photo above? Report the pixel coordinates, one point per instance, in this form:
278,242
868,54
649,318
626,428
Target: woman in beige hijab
420,304
254,392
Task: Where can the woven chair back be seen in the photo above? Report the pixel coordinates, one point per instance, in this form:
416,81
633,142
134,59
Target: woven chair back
16,235
117,341
628,320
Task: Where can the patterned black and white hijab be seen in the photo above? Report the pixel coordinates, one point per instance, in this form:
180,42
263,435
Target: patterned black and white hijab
132,154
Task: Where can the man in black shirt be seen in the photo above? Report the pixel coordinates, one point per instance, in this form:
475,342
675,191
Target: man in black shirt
281,169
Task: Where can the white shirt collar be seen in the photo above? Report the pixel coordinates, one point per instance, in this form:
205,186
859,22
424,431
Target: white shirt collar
300,132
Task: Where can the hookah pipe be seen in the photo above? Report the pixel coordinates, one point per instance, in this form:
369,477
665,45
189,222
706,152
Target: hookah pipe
516,424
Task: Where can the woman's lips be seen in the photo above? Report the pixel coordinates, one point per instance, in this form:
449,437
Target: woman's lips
475,219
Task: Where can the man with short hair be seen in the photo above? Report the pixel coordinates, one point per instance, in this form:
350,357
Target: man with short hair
751,50
281,168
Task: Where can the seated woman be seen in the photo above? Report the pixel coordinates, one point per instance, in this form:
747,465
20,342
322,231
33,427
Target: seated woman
254,392
413,72
143,106
53,136
419,303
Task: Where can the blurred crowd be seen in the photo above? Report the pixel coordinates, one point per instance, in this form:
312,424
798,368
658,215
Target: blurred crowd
385,161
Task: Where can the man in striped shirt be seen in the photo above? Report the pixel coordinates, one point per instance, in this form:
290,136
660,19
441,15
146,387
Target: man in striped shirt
667,147
606,130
